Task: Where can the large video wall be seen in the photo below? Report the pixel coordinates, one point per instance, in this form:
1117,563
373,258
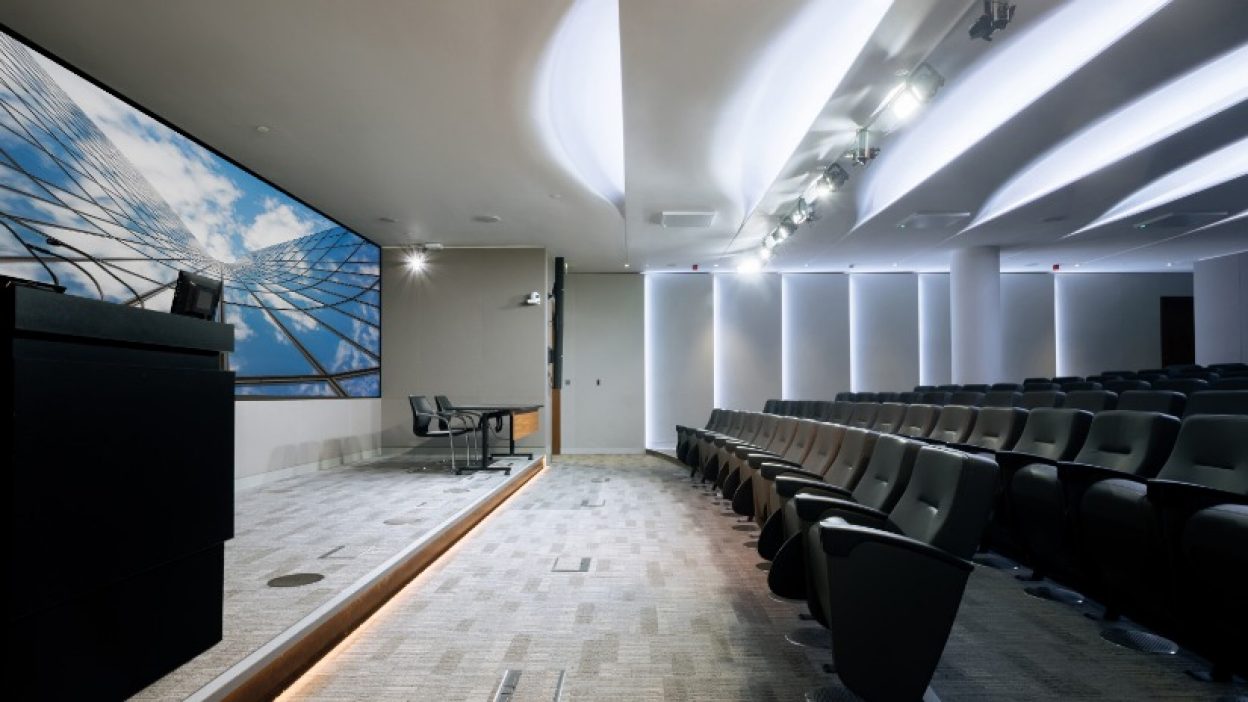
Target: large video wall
102,199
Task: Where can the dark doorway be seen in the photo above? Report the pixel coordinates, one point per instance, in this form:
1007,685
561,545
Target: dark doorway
1178,331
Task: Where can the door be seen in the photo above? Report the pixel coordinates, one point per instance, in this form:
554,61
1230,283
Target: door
1178,331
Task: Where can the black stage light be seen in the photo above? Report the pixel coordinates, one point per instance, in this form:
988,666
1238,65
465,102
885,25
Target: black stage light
196,296
997,14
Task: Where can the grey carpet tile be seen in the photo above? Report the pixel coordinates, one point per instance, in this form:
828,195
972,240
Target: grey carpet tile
672,608
341,523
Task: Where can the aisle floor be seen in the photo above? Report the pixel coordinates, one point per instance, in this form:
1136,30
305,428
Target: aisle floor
671,606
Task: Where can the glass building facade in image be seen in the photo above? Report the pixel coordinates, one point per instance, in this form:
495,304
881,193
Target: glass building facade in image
109,203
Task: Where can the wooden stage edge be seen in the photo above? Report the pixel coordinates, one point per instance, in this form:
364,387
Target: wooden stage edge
275,666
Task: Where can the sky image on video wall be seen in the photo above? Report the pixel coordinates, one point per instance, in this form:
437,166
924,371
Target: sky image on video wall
102,199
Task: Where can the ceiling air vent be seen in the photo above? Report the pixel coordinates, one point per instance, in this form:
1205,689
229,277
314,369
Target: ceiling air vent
933,220
1181,220
686,219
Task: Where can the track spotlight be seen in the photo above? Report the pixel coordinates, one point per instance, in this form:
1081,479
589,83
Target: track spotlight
997,14
802,213
863,152
770,241
417,260
920,87
785,229
765,254
831,180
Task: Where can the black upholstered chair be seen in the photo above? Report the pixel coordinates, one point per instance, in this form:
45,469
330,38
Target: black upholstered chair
967,398
844,397
1091,400
888,586
996,429
888,418
1167,401
1125,384
1137,530
954,424
948,388
429,423
1040,387
1036,381
909,398
863,415
841,412
1010,387
924,388
977,387
919,420
1081,385
1042,398
771,445
822,410
1186,386
886,396
824,450
936,397
1003,398
771,406
1230,384
1046,500
790,443
685,434
866,397
1217,402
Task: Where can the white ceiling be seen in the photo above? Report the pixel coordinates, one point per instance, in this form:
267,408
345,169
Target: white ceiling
423,111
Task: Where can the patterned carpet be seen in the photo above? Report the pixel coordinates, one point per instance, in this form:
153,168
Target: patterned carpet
340,523
672,607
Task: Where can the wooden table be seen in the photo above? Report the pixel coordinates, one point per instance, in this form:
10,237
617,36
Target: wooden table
524,421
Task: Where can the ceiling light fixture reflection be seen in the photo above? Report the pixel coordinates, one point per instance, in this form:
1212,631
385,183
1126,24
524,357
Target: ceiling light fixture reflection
1175,106
770,114
1008,79
1225,164
578,99
749,264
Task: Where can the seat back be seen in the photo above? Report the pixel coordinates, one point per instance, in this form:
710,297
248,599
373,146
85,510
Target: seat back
422,408
1042,398
1132,442
785,408
888,417
803,438
824,447
846,469
997,428
443,402
1230,384
1081,385
887,473
1217,402
909,398
886,396
1151,374
1052,433
1007,387
1036,381
771,406
1212,450
866,397
822,410
936,397
1201,374
948,388
806,408
948,499
1167,401
864,415
1121,386
1120,374
1186,386
737,423
766,430
976,387
967,398
1067,379
924,388
841,412
844,397
752,422
954,424
1091,400
919,420
1224,367
1002,398
782,435
716,420
1040,387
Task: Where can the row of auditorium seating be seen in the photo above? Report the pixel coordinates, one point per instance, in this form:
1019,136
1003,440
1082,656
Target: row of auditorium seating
1144,513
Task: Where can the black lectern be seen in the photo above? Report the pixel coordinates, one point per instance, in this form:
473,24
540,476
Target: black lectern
119,442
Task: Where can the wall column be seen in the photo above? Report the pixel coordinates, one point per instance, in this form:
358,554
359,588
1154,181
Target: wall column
975,314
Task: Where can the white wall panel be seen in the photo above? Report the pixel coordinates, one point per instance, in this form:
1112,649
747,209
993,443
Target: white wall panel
1028,335
1221,307
935,362
279,439
975,314
816,335
1112,321
884,331
748,337
679,354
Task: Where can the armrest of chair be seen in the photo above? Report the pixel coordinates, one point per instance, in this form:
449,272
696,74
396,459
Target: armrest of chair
753,455
840,539
825,489
1086,473
811,508
772,470
789,485
1188,498
1010,462
758,460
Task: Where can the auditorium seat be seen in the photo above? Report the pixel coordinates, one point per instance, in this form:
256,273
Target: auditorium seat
824,450
919,420
1002,399
1187,386
924,388
1067,379
909,398
1036,381
1213,567
954,424
884,477
790,451
888,418
714,448
866,397
1120,374
1230,384
1167,401
730,424
717,421
844,397
1045,500
1222,368
1121,386
772,407
1151,374
822,410
864,415
1197,374
1081,385
844,471
1091,400
773,442
1217,402
1040,387
886,396
996,429
889,586
979,387
841,412
967,398
1042,398
948,388
937,397
1011,387
1134,528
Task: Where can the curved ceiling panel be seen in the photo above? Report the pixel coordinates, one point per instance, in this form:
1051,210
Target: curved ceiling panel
785,90
1175,106
1213,169
578,100
1013,75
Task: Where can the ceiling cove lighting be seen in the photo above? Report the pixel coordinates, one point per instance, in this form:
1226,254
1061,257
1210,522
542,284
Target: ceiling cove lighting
578,99
1213,169
770,113
1175,106
1003,83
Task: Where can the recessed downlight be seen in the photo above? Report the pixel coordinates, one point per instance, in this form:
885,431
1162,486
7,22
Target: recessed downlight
388,220
487,218
263,129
